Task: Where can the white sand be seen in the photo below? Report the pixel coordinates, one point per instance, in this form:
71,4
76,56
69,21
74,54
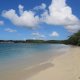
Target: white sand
65,67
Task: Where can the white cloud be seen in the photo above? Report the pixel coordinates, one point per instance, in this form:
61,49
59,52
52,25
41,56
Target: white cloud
34,38
26,18
54,34
41,7
73,28
21,11
60,14
10,30
37,35
1,22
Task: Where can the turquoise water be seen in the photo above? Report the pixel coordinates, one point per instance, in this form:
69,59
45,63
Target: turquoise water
20,55
17,60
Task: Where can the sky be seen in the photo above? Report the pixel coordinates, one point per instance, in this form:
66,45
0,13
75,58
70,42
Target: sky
39,19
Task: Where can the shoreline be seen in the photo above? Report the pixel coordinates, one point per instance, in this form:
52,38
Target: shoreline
56,68
65,67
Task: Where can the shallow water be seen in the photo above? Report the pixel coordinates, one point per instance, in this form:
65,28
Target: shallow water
16,57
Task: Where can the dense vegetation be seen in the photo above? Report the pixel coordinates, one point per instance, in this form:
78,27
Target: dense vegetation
30,41
74,39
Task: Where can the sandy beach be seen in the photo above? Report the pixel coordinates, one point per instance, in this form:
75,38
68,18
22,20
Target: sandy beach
65,66
62,67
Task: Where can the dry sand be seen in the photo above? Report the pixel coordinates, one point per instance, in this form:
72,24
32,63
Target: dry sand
63,67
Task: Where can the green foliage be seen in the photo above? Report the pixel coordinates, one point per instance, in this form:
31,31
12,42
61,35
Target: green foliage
78,43
74,39
34,41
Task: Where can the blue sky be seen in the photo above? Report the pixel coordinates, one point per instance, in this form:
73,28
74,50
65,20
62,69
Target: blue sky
35,27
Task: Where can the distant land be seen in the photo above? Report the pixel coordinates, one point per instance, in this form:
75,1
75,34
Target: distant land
73,40
31,41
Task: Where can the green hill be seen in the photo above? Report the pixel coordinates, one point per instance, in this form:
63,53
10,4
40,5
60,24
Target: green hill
74,39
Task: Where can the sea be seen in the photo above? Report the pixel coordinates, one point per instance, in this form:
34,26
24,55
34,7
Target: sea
17,57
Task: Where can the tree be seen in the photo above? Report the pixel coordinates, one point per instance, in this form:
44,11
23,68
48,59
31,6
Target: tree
74,39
